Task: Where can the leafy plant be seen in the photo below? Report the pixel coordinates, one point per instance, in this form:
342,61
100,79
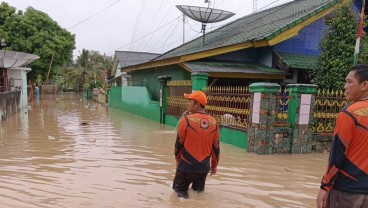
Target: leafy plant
88,71
337,49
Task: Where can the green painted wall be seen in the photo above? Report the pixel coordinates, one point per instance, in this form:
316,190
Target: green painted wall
148,78
171,120
234,137
135,100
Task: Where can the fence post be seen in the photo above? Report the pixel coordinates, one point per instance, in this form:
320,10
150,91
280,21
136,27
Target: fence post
263,109
163,96
199,81
300,112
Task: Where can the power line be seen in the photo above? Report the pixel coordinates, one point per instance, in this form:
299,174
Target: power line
178,40
165,33
193,28
153,19
137,22
149,40
144,36
97,13
170,35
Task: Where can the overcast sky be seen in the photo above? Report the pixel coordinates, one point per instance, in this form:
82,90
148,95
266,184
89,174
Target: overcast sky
153,26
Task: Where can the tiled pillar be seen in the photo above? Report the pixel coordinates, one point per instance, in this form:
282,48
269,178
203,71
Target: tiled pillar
300,111
263,109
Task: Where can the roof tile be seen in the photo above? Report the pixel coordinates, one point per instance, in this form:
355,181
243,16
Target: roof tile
232,67
258,26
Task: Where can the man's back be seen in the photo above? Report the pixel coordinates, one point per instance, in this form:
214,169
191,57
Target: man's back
200,133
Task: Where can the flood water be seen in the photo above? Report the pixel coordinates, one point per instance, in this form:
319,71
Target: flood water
66,152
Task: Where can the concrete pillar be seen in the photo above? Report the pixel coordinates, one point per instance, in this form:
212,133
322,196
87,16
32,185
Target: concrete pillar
199,81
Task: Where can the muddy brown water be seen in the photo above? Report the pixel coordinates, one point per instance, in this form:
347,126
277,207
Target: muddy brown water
116,159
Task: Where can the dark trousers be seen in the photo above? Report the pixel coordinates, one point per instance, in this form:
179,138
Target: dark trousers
183,180
338,199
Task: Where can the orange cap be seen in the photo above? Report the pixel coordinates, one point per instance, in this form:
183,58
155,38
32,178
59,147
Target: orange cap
198,96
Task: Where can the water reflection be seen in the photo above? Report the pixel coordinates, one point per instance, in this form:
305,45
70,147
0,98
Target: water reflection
69,152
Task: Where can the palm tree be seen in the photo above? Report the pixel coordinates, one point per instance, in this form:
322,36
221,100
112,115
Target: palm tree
90,66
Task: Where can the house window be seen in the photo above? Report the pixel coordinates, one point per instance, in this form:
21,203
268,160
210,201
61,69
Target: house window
290,74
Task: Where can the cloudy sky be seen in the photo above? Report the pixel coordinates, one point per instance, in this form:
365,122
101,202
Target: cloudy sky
140,25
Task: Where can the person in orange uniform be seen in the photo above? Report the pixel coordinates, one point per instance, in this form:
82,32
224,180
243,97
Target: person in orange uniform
345,184
197,147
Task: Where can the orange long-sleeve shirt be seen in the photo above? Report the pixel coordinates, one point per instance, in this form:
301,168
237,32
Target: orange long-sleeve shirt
197,143
348,163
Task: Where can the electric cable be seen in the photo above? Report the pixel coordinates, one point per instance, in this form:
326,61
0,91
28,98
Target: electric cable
143,36
97,13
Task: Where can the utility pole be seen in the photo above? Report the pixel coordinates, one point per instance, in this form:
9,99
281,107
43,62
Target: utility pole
183,28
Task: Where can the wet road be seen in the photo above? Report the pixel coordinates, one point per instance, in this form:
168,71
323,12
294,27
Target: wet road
66,152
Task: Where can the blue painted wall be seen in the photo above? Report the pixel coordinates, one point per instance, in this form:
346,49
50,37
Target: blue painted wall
307,42
261,55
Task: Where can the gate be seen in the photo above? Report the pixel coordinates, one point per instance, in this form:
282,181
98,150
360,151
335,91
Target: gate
176,102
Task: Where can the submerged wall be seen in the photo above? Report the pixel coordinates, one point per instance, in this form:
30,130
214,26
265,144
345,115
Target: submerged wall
135,100
10,103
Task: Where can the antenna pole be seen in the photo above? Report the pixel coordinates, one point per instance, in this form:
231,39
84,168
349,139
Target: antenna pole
183,28
254,6
203,30
208,1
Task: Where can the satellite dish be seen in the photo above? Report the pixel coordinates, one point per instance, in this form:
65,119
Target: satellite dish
204,15
13,59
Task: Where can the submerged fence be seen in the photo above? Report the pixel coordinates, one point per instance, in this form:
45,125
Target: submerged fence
229,105
328,104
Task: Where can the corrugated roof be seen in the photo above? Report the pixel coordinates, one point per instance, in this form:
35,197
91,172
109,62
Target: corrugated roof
298,61
231,67
130,58
263,25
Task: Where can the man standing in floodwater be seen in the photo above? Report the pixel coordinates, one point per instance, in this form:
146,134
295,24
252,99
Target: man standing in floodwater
197,147
345,184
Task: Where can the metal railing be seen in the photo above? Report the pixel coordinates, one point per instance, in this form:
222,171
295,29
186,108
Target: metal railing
176,102
229,105
327,105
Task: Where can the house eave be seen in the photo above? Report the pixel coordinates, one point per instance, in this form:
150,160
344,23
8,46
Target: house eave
276,37
196,56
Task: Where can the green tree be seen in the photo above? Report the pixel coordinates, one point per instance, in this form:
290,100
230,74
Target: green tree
89,70
337,49
35,32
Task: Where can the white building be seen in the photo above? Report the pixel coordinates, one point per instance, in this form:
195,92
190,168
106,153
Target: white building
13,72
